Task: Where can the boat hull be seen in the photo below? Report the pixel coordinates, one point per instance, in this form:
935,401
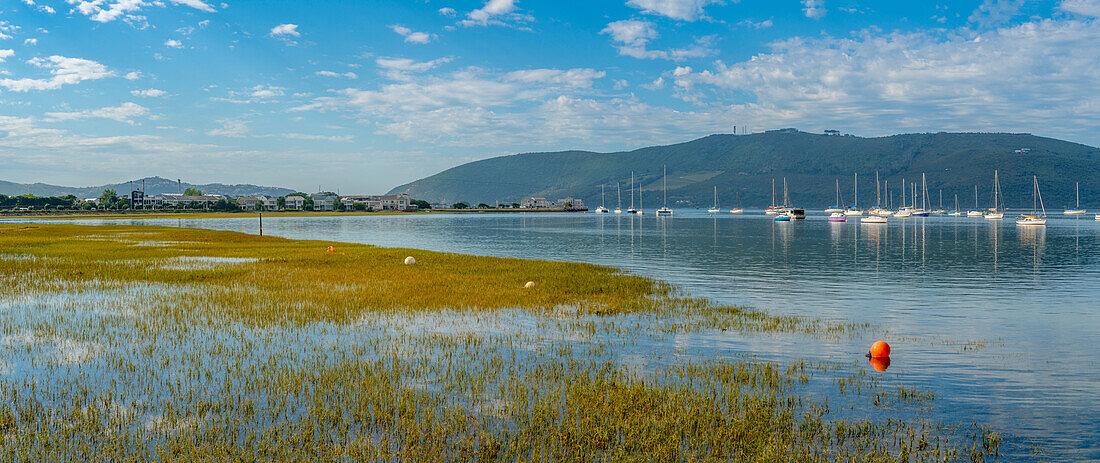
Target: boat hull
995,216
873,219
1074,212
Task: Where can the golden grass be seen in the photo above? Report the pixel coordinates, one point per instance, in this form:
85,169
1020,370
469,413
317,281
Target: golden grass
137,343
138,214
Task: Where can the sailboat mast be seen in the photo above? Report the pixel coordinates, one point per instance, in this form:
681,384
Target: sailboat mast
773,192
855,189
1078,195
632,189
924,192
996,187
664,184
838,192
878,191
786,197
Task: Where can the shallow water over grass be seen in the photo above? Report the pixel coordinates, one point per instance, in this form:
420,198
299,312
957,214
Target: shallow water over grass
974,377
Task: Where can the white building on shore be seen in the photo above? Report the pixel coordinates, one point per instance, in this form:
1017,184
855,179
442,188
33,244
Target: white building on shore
398,202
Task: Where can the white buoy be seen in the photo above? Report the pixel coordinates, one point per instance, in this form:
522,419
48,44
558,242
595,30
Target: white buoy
409,260
529,285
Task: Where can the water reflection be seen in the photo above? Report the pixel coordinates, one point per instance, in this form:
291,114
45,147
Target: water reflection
880,363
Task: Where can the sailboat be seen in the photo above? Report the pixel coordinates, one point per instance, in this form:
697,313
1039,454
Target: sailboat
738,209
995,212
641,210
941,210
774,208
923,211
854,210
786,213
601,209
1076,210
664,210
903,211
1035,218
836,207
715,209
977,211
632,210
955,212
619,193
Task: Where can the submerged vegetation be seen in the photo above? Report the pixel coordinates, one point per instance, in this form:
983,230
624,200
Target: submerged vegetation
143,343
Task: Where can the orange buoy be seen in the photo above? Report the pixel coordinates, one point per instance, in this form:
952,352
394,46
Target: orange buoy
880,349
331,249
880,363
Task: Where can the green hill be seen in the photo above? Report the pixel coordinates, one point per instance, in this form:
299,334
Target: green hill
746,165
153,185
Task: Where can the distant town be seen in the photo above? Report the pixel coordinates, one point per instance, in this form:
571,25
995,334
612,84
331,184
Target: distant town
192,199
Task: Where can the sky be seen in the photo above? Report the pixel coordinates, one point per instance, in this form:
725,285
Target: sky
362,96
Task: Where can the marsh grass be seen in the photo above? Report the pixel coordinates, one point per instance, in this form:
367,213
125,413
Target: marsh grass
222,346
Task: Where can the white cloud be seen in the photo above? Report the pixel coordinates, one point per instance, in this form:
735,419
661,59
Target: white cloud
756,24
995,12
349,74
633,37
1089,8
6,29
5,54
42,8
447,11
398,68
577,78
412,36
495,12
110,10
305,136
148,93
132,75
266,91
814,9
172,43
125,112
63,71
30,42
289,30
230,128
687,10
1036,76
285,32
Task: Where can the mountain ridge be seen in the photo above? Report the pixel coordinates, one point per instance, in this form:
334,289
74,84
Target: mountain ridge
744,165
153,185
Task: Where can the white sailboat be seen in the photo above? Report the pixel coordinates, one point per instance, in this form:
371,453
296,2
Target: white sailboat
715,209
619,193
995,212
923,211
955,212
738,209
903,211
836,207
854,211
1076,210
1036,218
774,208
632,210
664,210
601,209
977,211
941,210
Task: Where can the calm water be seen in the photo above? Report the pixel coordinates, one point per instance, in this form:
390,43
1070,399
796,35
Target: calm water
934,284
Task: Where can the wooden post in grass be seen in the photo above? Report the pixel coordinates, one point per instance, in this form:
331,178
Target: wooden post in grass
261,224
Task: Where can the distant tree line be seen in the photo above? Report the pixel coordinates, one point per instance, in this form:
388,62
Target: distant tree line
110,200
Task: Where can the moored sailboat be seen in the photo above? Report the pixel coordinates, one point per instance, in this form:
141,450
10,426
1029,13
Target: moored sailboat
854,211
977,211
715,209
995,212
1076,210
774,208
601,209
1036,218
738,209
664,210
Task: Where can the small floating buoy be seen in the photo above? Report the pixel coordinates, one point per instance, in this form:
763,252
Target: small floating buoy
880,349
409,260
529,285
880,363
331,249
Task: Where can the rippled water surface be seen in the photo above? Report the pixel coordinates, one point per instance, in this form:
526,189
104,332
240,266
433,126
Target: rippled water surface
1001,322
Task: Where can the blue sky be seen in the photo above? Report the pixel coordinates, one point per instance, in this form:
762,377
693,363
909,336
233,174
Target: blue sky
363,96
